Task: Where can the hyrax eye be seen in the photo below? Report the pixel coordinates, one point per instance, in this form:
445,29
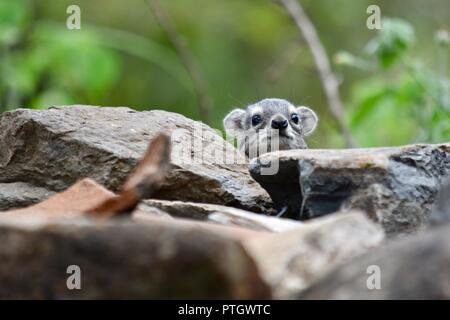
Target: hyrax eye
295,119
256,119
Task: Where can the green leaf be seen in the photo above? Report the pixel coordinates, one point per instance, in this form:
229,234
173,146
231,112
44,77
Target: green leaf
13,17
366,97
76,62
392,41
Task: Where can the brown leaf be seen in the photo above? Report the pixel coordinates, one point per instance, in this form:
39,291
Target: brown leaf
70,203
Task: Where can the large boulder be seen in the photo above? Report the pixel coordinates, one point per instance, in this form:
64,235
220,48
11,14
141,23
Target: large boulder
290,261
122,259
56,147
396,186
411,268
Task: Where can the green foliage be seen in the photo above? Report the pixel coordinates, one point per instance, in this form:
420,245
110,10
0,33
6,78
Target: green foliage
43,65
13,18
74,62
392,42
121,56
404,100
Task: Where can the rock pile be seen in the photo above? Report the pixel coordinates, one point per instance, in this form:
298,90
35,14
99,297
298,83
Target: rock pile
73,189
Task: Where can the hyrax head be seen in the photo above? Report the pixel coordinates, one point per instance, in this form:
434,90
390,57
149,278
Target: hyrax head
269,125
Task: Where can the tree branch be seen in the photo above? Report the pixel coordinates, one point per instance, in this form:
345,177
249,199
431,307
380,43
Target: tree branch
186,57
327,77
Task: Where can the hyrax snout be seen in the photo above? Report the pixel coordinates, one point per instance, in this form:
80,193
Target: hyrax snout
270,125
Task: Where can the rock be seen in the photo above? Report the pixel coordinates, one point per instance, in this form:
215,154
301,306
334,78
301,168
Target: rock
82,199
232,232
440,212
56,147
144,211
395,186
182,209
290,261
228,216
76,202
122,259
412,268
253,221
73,202
20,194
147,178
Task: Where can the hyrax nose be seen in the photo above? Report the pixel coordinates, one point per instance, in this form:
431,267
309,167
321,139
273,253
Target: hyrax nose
279,124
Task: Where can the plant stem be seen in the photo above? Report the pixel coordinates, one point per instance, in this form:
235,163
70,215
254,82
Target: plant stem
328,79
186,57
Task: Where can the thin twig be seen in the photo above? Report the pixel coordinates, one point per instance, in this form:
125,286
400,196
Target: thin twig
186,57
327,77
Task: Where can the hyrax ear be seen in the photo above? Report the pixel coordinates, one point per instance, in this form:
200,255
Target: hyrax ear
233,122
308,119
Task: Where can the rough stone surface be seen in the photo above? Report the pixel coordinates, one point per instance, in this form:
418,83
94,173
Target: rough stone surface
395,186
19,194
223,215
292,260
76,201
229,231
440,213
73,202
122,259
56,147
144,210
411,268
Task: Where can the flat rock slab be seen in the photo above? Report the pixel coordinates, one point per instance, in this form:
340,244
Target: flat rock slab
122,259
395,186
290,261
414,268
223,215
56,147
20,194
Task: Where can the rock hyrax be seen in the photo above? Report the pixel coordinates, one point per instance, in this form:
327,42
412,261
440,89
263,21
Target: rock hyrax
269,125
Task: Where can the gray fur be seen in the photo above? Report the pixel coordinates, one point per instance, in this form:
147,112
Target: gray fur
261,138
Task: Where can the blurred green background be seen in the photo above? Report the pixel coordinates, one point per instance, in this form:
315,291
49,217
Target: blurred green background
394,83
